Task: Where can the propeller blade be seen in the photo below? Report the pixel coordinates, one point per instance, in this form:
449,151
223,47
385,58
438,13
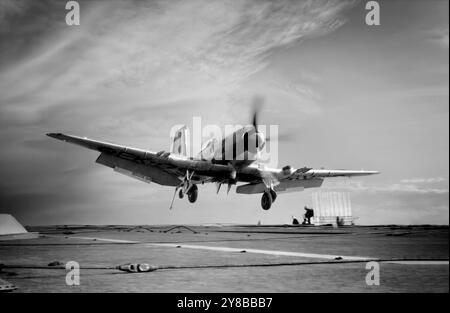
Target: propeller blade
218,185
258,101
255,121
228,189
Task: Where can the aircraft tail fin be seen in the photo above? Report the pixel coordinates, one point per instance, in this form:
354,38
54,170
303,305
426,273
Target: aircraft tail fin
179,144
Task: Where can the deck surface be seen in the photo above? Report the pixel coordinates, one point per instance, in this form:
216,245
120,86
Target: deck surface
225,258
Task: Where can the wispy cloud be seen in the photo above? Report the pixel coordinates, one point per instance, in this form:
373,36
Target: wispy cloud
162,51
412,186
424,180
440,36
135,68
412,201
130,71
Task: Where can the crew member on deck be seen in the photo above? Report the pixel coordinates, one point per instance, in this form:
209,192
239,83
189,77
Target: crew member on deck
307,217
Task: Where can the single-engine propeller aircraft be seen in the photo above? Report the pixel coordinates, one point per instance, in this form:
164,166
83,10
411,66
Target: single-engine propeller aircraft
176,169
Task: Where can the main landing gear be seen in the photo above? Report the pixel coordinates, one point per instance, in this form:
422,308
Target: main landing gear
186,187
268,198
193,194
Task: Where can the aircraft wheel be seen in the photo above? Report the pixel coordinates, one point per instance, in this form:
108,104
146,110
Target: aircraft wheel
274,195
193,194
180,194
266,201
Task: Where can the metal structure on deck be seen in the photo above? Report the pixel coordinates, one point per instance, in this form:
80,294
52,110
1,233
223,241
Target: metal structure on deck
332,207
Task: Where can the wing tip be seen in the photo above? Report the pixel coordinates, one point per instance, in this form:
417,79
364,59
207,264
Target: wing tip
55,135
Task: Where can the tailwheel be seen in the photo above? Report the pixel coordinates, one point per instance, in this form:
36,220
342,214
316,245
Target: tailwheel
193,194
266,200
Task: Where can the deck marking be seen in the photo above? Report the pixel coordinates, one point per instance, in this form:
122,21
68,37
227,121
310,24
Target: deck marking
228,249
103,239
425,262
270,252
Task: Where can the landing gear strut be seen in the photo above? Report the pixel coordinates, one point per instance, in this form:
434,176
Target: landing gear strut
267,199
186,187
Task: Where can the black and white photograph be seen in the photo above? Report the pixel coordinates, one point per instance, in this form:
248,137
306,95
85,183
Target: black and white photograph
241,148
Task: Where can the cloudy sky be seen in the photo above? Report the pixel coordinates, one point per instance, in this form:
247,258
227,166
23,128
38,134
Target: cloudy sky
345,95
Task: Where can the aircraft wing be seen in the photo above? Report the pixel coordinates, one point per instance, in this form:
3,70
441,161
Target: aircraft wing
294,180
160,167
100,146
331,173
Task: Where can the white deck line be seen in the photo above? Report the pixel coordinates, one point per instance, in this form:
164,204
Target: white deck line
258,251
418,262
269,252
100,239
228,249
